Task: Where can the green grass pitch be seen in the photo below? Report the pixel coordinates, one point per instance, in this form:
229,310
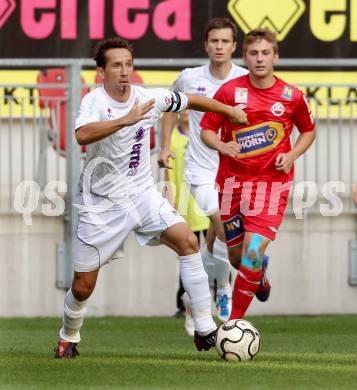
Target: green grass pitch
154,353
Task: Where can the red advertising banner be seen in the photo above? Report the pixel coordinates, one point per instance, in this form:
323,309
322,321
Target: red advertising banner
172,28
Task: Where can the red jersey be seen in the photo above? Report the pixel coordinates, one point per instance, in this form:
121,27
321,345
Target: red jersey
272,113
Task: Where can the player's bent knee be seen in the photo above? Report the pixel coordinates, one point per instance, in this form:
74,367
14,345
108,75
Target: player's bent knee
81,293
81,290
252,258
253,253
188,245
192,243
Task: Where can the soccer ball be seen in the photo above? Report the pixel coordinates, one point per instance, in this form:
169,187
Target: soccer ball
237,340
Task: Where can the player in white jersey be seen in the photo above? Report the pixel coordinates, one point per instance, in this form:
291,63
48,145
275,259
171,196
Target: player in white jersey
117,193
201,162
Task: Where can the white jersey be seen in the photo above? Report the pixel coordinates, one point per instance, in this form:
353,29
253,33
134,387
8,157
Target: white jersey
201,162
119,165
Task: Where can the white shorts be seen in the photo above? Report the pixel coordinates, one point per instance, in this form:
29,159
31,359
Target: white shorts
206,197
102,231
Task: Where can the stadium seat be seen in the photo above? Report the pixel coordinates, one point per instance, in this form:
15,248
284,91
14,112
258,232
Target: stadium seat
55,100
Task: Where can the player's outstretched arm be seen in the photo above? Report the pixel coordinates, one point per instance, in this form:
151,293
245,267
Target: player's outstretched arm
95,131
202,103
285,161
212,140
167,124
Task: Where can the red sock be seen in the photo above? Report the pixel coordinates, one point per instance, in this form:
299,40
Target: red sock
245,287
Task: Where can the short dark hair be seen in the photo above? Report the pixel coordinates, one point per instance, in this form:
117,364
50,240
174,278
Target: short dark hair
257,35
218,23
111,43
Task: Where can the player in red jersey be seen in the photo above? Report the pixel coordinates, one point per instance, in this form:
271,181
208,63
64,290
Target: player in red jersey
256,161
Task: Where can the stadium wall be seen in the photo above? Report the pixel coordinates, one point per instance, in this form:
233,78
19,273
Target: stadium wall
308,271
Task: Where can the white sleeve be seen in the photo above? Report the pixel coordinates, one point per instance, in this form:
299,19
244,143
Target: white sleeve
179,83
88,111
170,101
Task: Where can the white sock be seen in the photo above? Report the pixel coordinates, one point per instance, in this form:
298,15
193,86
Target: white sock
195,282
222,267
73,316
209,265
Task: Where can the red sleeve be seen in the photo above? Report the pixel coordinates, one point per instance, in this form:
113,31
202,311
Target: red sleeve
211,120
302,117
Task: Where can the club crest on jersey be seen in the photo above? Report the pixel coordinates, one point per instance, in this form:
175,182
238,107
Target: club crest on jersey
241,95
110,114
258,139
287,93
233,228
277,109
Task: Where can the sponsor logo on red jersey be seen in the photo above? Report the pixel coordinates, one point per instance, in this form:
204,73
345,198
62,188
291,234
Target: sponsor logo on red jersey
258,139
287,93
241,95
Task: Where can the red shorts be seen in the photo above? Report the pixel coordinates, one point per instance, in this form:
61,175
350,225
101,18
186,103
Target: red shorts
256,208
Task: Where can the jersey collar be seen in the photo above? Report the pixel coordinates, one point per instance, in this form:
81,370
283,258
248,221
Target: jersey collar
117,104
